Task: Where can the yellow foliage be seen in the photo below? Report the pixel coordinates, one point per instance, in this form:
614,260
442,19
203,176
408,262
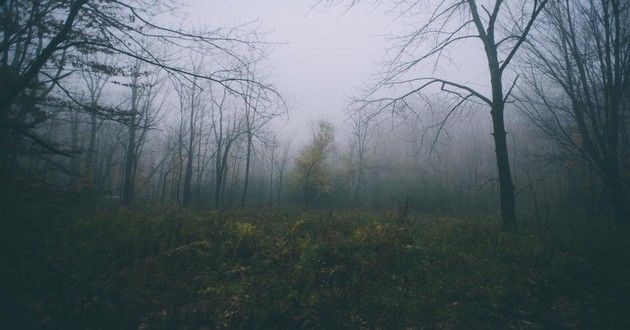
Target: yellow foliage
313,171
245,229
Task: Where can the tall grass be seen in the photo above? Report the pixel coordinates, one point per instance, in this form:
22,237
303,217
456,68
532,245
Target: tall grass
183,269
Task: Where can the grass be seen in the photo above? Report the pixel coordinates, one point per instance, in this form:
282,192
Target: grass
283,269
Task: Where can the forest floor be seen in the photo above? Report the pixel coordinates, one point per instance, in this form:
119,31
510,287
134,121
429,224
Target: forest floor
72,268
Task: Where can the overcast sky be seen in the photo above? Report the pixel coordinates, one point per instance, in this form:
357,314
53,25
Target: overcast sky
326,55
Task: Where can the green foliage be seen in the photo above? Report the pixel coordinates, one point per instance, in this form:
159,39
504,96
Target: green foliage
185,269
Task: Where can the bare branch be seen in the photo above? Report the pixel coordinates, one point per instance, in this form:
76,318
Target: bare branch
536,10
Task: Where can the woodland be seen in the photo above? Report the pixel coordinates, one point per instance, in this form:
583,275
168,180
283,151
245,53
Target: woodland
146,181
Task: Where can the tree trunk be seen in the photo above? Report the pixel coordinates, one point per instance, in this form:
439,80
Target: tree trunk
75,162
130,159
189,161
359,186
247,165
613,182
271,185
187,194
222,175
218,170
506,186
90,157
217,186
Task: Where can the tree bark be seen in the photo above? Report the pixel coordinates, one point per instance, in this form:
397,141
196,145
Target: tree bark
506,186
130,159
613,182
247,165
187,194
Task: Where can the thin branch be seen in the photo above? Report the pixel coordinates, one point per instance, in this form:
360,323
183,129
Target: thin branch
536,10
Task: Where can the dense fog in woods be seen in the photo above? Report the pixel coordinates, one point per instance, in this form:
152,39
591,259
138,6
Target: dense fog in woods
99,100
513,111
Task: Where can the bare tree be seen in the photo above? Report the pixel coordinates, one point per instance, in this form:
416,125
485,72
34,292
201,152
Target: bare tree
363,141
252,105
43,43
30,39
143,115
500,27
95,81
260,108
23,51
228,128
280,163
578,86
192,104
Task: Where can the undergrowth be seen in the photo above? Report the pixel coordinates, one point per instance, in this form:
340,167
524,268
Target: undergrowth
283,269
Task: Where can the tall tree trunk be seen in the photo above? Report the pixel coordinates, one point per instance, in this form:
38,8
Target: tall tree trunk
187,194
224,172
279,186
613,182
130,159
75,162
90,157
359,186
616,65
506,186
247,165
221,176
282,166
189,161
218,170
164,178
271,185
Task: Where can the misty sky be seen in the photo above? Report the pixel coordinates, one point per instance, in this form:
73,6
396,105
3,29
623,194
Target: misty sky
326,55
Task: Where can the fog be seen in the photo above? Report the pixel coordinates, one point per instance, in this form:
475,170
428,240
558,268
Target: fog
320,164
319,104
322,57
326,56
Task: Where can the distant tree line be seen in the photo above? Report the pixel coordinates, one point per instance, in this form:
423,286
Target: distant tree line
100,99
87,102
564,64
